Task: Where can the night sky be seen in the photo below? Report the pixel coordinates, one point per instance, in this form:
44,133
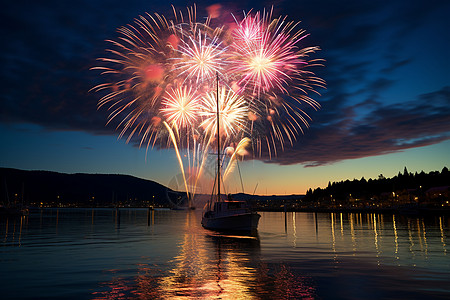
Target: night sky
386,105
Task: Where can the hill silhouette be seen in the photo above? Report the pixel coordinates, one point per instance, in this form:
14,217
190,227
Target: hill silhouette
47,188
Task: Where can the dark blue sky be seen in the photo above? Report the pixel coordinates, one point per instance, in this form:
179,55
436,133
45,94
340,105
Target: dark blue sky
386,106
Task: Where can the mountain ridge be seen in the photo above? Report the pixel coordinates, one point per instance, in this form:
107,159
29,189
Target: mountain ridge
48,187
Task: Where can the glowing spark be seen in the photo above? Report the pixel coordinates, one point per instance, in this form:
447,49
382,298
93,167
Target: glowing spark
249,30
240,151
232,112
181,106
201,58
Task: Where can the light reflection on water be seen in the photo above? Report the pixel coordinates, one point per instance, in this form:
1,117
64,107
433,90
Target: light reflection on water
162,254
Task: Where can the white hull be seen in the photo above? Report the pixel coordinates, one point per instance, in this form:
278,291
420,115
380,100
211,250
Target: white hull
237,222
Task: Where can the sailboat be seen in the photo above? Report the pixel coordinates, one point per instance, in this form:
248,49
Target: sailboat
227,215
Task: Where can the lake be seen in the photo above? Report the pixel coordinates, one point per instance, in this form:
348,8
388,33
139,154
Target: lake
164,254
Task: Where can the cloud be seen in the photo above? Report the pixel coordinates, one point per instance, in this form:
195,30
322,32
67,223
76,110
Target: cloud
395,64
386,129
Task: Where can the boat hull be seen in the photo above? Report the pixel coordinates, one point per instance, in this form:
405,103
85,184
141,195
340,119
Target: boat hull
240,222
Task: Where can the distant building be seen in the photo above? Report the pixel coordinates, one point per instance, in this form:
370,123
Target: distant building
438,196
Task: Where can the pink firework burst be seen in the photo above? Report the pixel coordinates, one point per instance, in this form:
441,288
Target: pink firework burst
249,31
265,54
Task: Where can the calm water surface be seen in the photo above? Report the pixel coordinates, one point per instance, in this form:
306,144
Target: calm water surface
162,254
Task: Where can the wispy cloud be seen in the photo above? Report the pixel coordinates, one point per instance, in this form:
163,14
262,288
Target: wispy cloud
385,129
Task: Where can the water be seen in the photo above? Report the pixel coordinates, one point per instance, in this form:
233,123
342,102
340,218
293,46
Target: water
162,254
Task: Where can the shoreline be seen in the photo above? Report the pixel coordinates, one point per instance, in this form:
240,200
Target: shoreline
401,211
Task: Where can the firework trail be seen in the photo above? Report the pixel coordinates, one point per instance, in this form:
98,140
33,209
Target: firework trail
162,84
235,154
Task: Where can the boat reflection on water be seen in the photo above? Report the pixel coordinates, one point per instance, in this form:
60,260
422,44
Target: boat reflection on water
233,266
241,274
211,265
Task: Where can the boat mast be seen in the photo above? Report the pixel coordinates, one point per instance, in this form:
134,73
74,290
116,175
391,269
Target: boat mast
218,139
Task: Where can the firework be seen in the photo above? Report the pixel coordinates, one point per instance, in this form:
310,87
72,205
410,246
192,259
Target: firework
164,76
249,31
272,70
181,107
262,54
200,58
232,112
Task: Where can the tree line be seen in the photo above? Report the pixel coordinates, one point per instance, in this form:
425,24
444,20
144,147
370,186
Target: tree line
414,185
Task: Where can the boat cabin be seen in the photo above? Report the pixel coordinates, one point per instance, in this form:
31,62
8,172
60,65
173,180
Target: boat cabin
229,205
225,208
